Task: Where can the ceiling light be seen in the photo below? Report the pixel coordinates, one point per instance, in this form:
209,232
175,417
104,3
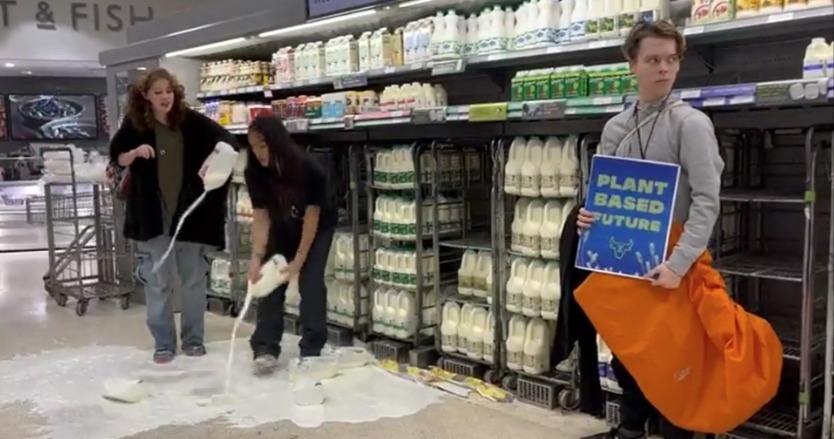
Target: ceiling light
318,23
9,65
205,47
26,72
411,3
142,68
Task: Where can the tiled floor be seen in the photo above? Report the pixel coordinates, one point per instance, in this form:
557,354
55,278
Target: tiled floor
31,323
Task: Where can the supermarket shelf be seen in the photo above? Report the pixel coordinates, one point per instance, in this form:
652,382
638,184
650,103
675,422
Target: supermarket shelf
556,377
732,28
761,266
738,96
476,242
761,196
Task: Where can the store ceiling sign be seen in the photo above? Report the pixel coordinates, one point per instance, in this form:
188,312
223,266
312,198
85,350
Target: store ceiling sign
73,32
322,8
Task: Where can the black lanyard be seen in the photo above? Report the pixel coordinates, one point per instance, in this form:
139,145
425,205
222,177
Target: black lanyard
645,148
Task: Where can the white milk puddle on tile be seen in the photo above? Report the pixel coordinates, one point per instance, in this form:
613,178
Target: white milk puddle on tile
66,386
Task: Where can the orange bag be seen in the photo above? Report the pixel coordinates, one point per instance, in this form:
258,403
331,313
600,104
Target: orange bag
703,362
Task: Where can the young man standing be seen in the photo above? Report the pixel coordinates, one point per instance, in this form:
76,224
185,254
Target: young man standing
660,127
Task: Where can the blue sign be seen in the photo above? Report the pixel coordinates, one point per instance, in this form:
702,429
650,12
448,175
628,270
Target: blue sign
633,201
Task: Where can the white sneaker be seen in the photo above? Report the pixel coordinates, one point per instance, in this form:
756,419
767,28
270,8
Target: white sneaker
265,364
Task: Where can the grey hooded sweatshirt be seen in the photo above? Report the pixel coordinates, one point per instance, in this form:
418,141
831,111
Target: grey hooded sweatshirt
686,137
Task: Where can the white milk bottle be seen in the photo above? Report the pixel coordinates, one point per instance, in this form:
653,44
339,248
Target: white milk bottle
532,295
519,219
829,64
468,267
578,19
551,230
544,21
379,316
564,35
406,321
449,327
552,291
391,312
345,305
438,33
816,56
454,35
482,272
513,168
489,339
521,27
531,232
550,164
464,327
593,19
568,181
476,334
531,168
628,16
556,20
536,347
515,285
612,9
515,342
509,27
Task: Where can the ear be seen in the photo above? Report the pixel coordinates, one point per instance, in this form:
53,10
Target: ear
631,66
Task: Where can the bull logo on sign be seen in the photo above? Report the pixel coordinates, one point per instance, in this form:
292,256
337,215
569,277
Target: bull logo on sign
620,248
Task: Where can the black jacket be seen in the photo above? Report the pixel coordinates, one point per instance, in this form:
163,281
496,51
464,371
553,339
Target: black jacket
143,216
573,326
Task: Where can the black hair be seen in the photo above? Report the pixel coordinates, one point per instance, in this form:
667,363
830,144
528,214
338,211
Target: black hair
285,173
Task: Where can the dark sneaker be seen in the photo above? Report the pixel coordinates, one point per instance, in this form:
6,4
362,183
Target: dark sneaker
265,364
194,350
163,356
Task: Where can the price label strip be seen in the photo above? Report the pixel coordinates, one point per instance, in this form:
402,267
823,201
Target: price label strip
543,110
448,67
351,81
429,115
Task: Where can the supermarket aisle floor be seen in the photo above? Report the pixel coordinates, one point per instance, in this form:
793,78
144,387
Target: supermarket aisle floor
31,324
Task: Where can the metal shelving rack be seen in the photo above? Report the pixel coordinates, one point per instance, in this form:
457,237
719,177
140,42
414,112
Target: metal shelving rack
474,236
388,346
558,387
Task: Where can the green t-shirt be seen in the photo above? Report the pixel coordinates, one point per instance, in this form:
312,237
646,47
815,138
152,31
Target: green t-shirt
169,159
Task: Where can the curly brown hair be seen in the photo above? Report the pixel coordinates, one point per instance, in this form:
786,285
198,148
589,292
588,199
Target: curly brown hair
139,109
658,29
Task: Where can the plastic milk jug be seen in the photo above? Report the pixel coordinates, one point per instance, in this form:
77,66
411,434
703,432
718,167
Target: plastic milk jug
592,22
468,266
612,9
531,168
551,230
406,323
489,338
519,219
391,312
512,170
515,285
551,291
564,35
816,56
476,334
568,182
449,327
484,269
577,20
536,358
532,294
628,16
515,342
531,232
464,327
550,164
378,316
509,27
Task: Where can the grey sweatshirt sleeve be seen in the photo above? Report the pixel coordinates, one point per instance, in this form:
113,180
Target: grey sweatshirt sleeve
701,162
607,145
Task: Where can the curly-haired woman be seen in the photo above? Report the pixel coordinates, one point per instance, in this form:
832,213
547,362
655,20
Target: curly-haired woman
165,146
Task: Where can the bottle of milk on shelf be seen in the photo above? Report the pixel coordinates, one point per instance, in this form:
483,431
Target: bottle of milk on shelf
544,24
531,301
438,34
512,170
608,24
515,342
517,228
816,56
568,182
552,291
531,168
551,161
471,35
365,51
829,64
628,16
449,327
551,231
509,27
594,18
564,35
515,285
578,19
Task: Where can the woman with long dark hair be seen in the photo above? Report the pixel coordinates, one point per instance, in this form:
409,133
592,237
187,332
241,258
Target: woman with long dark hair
165,146
294,216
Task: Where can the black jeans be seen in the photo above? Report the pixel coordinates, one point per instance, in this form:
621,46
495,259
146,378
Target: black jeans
313,308
635,409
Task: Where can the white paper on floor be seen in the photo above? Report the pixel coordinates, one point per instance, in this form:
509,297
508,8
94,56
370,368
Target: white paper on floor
66,386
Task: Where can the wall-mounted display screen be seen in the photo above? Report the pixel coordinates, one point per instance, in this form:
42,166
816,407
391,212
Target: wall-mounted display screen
53,117
322,8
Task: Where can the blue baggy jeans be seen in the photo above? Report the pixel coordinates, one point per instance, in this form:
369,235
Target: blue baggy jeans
192,269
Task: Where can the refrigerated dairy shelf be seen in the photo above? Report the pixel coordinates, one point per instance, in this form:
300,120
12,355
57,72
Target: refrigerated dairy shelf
763,267
730,28
714,97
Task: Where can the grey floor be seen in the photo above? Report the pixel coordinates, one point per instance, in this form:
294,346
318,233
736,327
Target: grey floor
31,323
